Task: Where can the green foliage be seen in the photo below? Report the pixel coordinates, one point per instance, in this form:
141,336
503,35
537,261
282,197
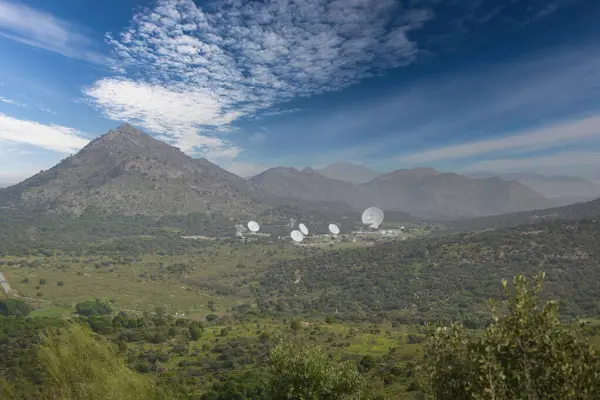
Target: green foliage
79,366
93,308
308,374
526,354
195,332
443,278
295,325
14,307
211,317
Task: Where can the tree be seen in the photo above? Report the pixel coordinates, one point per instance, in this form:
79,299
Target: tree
211,317
295,325
92,308
195,332
309,374
526,354
14,307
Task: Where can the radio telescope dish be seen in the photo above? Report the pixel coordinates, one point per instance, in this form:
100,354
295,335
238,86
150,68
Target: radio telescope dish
303,229
372,216
253,226
333,228
297,236
239,230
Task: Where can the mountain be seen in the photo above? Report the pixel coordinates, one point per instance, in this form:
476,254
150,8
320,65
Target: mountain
422,192
565,189
589,209
130,172
428,193
308,184
348,172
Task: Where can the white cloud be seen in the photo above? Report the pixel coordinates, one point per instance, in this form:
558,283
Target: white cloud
557,162
12,102
201,70
537,139
51,137
584,164
43,30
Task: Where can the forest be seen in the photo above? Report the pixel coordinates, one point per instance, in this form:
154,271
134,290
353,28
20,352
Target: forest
158,316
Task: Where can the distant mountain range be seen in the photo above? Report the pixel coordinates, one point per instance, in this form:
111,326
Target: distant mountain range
564,189
348,172
130,172
423,192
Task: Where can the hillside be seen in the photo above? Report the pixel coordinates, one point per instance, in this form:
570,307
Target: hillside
566,189
428,193
130,172
589,209
441,278
308,184
348,172
422,192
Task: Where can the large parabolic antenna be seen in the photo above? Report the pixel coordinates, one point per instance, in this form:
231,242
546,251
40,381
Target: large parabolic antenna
297,236
372,216
303,229
253,226
333,228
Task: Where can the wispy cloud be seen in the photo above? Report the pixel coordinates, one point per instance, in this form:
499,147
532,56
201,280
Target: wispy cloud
556,162
12,102
51,137
206,68
32,27
537,139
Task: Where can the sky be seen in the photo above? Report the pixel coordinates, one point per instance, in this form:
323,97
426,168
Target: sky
458,85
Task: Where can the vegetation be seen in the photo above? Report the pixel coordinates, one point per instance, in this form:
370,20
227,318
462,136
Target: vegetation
14,307
525,354
308,374
214,318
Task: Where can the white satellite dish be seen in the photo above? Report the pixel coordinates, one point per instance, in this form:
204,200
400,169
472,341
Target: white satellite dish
372,216
333,228
303,229
253,226
297,236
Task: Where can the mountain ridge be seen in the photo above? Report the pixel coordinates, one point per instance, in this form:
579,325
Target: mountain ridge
129,171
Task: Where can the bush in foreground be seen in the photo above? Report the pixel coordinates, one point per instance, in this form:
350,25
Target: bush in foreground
525,354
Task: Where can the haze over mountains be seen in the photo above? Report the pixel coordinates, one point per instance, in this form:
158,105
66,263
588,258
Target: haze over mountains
567,189
130,172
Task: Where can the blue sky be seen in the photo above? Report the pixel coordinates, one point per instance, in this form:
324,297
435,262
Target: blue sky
460,85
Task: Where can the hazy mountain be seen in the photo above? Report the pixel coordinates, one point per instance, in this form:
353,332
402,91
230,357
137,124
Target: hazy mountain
428,193
348,172
589,209
422,192
564,189
308,184
128,171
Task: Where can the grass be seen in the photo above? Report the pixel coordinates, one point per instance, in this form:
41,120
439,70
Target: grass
219,277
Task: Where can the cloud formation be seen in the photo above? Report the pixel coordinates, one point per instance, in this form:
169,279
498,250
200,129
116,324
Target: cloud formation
12,102
51,137
193,69
39,29
537,139
554,162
